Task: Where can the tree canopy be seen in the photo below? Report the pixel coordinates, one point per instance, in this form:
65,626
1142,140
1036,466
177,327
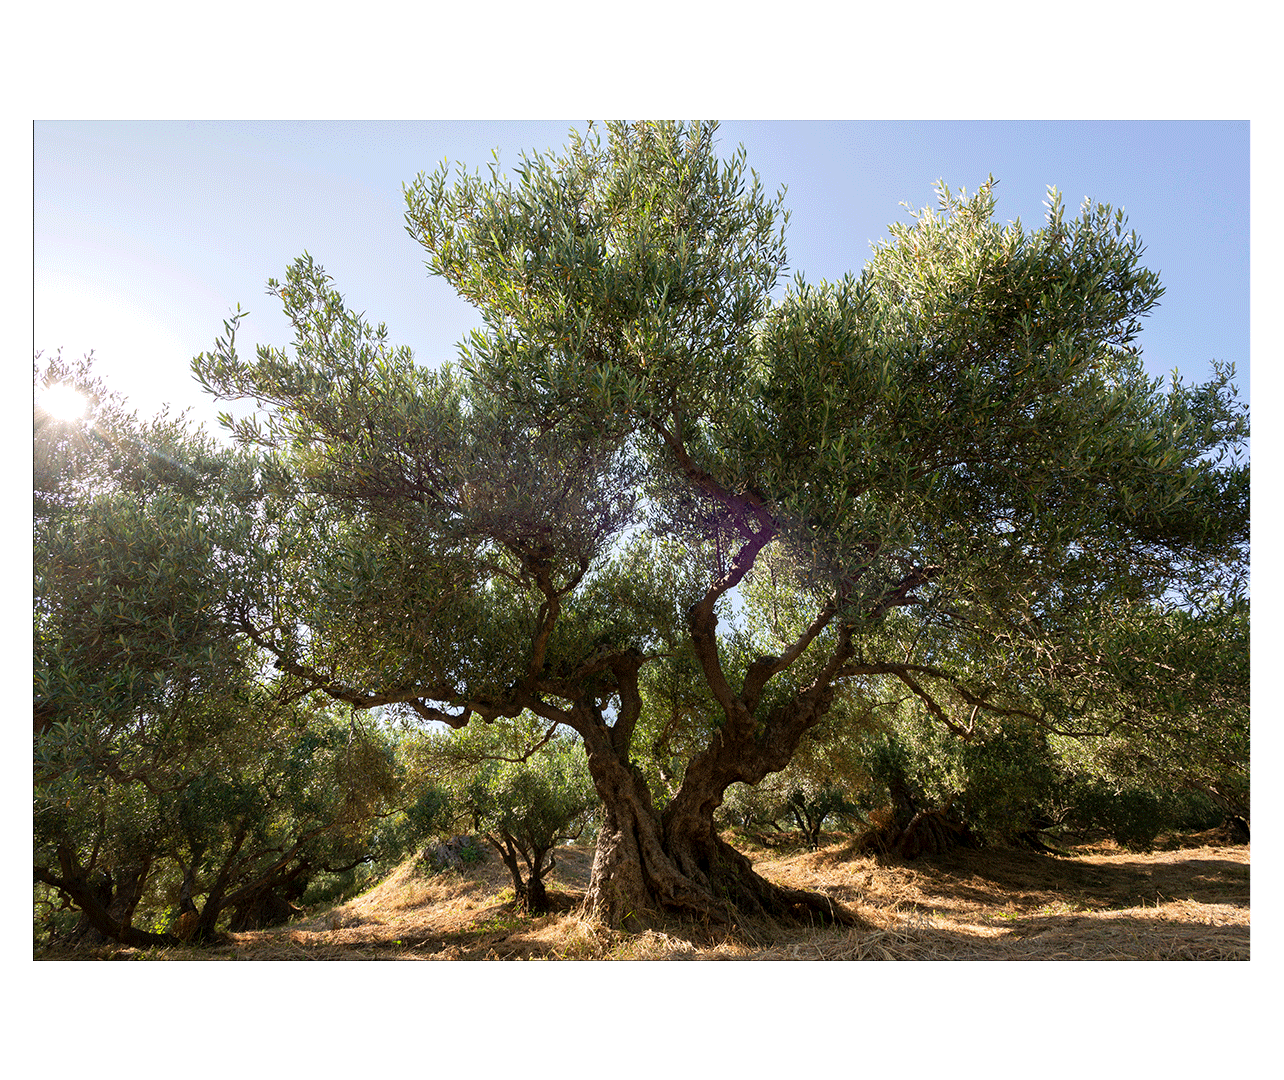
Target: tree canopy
659,502
169,766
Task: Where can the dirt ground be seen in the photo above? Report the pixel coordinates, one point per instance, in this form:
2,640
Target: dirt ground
1187,901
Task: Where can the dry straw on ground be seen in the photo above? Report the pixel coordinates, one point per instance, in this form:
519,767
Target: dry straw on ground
1190,902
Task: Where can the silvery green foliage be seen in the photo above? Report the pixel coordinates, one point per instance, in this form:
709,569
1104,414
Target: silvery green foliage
165,755
662,503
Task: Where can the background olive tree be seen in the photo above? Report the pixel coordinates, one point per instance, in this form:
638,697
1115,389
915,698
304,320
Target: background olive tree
177,781
521,786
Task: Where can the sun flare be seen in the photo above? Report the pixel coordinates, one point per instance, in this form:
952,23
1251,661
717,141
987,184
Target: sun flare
63,402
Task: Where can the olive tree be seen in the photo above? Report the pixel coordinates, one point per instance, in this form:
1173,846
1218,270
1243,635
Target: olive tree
1174,720
171,773
951,463
520,784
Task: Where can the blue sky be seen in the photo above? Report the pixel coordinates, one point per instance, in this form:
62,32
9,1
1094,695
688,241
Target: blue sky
147,234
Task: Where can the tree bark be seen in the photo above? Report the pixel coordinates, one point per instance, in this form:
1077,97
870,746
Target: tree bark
107,910
649,867
633,879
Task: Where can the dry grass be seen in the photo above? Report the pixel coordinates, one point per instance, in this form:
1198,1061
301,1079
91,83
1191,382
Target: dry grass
1101,904
1187,903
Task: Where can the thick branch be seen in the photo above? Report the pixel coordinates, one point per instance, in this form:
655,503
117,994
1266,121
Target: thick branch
933,706
765,667
265,876
626,676
416,697
703,625
74,884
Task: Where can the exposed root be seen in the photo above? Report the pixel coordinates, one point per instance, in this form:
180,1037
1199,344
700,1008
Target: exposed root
929,832
737,892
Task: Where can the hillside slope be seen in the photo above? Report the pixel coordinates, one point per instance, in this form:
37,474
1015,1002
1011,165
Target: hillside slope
1190,902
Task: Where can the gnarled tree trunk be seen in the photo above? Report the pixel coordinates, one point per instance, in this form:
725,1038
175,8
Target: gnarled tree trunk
107,906
649,866
634,881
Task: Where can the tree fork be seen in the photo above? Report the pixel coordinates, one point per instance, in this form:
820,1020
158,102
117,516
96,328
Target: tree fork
644,867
